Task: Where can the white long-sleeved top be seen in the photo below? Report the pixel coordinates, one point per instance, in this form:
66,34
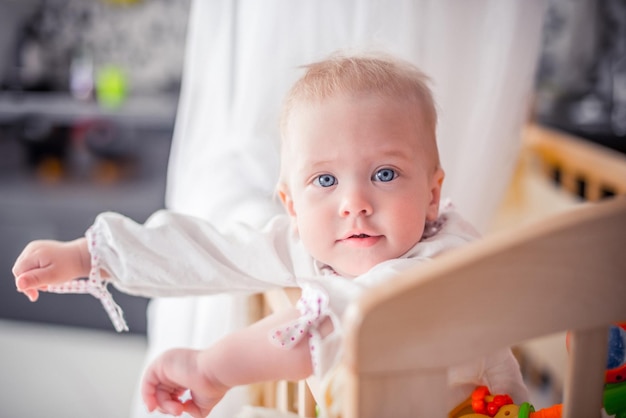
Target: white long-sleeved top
175,255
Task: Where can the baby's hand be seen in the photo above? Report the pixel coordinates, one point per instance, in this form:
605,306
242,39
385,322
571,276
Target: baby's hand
175,376
44,263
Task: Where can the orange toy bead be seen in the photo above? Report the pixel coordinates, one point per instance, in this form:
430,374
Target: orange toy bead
480,407
492,409
554,411
480,392
479,403
501,400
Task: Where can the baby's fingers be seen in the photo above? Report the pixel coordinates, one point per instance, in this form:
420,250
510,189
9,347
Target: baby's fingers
31,294
29,285
48,262
169,403
33,280
26,261
157,396
192,409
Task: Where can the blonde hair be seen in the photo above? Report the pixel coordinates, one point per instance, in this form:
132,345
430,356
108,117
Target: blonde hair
371,74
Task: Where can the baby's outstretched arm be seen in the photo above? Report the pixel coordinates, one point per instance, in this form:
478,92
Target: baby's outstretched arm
47,262
243,357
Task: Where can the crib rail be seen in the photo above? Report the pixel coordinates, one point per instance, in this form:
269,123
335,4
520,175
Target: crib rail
579,166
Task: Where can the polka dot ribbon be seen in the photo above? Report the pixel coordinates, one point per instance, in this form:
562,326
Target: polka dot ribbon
96,287
313,306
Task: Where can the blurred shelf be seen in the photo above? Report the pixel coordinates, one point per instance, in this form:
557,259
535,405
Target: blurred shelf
154,111
62,205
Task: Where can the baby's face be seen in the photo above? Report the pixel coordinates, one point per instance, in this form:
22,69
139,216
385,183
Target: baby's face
357,182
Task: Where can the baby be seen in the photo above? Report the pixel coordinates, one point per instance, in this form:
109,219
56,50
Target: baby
360,181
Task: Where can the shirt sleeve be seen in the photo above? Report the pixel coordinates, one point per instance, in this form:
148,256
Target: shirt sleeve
322,297
175,255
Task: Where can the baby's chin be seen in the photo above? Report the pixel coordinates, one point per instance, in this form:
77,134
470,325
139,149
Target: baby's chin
352,270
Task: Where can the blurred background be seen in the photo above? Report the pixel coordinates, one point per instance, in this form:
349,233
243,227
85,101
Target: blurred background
88,95
581,79
87,107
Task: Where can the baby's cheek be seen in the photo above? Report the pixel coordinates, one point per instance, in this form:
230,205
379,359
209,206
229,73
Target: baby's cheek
410,234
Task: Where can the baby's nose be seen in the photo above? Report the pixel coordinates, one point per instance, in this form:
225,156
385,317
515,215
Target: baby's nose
354,203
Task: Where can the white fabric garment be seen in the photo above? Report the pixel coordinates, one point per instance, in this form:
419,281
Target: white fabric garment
241,58
174,254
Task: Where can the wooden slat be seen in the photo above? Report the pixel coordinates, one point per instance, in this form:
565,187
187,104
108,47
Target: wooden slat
306,402
284,395
587,361
578,159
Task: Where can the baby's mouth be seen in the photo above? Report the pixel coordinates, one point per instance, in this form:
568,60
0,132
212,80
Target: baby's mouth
361,240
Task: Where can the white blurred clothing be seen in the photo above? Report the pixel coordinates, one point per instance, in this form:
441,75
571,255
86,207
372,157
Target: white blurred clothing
241,58
188,256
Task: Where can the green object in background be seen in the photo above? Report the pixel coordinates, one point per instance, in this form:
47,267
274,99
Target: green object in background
615,399
111,86
525,409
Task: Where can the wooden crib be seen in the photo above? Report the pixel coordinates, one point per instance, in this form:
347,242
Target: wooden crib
565,272
579,166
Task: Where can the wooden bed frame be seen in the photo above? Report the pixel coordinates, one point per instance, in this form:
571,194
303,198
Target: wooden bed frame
566,272
579,166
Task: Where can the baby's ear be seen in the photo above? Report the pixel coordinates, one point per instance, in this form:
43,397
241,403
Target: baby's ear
285,198
436,182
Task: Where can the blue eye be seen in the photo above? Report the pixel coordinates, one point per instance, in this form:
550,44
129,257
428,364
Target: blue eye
385,175
326,180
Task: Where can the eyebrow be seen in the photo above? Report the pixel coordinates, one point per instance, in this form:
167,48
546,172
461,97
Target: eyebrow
395,153
388,153
310,165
